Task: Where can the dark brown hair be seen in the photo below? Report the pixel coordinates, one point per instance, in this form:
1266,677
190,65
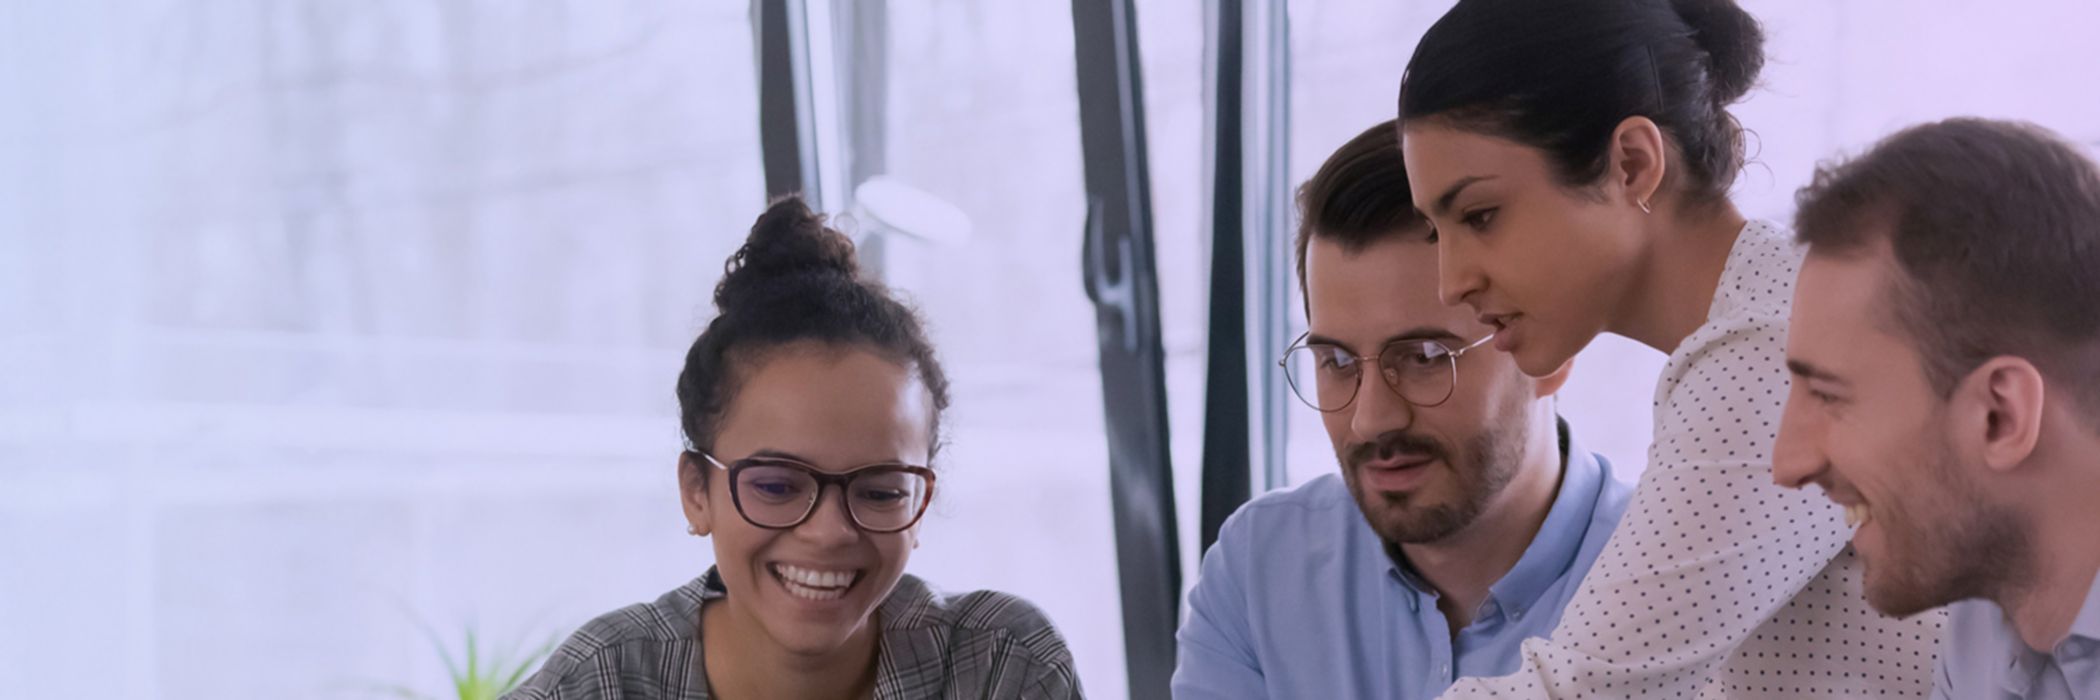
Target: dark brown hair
1560,76
795,280
1995,226
1358,197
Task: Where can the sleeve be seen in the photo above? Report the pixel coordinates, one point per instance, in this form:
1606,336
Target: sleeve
1214,651
1708,550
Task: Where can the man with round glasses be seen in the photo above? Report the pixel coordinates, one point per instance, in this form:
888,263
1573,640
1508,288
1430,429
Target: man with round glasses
1464,515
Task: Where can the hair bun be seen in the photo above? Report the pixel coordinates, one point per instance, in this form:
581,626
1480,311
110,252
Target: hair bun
1733,42
788,240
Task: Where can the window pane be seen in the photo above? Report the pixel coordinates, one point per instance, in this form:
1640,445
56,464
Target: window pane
983,115
330,317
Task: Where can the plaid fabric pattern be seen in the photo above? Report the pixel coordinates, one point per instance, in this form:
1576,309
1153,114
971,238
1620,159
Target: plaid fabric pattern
982,644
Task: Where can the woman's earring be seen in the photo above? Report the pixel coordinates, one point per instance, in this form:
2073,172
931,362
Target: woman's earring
694,531
1644,206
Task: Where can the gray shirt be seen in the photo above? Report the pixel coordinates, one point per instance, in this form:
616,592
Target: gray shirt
982,644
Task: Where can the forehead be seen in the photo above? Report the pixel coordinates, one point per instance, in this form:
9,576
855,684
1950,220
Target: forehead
837,408
1363,297
1438,155
1843,316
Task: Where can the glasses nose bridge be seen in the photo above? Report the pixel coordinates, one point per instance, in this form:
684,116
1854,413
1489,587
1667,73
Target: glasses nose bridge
826,483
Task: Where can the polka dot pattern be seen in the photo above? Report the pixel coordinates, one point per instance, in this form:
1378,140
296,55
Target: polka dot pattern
1719,583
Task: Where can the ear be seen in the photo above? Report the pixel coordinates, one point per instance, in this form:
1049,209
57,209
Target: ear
1638,159
1997,408
1551,383
692,494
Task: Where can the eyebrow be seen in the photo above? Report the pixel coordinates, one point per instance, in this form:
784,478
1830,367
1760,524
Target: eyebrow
1443,201
1805,370
1415,333
770,453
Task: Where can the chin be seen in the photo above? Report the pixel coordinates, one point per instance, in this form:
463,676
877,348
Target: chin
1899,599
1538,360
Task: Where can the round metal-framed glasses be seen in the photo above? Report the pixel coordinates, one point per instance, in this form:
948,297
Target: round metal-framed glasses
1327,377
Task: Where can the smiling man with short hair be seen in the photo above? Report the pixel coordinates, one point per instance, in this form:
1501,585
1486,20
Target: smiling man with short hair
1945,346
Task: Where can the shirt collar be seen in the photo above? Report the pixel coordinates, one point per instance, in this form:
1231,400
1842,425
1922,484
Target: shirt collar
1552,550
2087,624
2025,663
1559,539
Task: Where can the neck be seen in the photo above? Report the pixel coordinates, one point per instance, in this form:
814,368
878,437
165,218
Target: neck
1673,286
1462,566
742,662
2043,608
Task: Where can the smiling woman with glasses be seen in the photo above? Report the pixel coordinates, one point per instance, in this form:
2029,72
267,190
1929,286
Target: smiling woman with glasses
811,407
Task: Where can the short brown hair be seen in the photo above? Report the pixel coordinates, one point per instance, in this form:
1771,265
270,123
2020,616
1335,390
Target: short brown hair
1995,226
1359,196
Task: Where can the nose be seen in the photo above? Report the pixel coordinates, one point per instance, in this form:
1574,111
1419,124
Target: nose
830,524
1378,410
1796,457
1458,276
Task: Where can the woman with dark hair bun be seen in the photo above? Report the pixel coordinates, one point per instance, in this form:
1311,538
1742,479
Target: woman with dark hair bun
811,408
1574,159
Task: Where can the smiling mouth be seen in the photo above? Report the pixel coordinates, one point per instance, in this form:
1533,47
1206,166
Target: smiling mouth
1856,514
815,584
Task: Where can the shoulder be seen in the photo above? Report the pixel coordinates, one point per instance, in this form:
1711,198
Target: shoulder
1311,502
1758,280
1613,494
632,634
1730,373
917,606
1753,299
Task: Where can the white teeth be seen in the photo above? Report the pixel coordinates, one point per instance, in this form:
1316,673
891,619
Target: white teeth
813,584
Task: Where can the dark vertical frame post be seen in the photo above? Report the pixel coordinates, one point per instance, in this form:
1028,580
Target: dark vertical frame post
786,117
1227,460
1247,55
1122,282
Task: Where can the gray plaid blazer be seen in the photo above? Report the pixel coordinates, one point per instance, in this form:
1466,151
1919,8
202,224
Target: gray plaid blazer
982,644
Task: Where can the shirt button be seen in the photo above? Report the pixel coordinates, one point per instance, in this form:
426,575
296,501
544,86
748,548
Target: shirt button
1516,614
1443,670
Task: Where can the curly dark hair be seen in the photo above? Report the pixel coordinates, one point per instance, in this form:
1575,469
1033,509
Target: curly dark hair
796,280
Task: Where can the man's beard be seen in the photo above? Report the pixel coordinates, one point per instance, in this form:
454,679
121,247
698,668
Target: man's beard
1488,462
1962,547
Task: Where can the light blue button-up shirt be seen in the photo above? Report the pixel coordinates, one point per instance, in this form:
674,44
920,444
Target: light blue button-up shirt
1983,658
1298,598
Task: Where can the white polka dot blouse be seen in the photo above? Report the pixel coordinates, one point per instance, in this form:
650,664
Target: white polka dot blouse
1719,583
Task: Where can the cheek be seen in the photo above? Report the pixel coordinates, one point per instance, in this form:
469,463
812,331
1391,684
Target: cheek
737,545
1878,459
1337,424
